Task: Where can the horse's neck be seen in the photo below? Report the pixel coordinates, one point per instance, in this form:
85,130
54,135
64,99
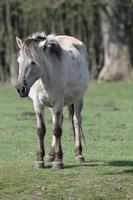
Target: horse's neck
47,73
51,71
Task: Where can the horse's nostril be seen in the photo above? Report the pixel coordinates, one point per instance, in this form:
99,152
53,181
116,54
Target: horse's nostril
18,90
23,90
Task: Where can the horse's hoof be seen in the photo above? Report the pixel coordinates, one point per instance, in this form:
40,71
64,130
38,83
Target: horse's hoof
38,165
57,165
80,159
50,158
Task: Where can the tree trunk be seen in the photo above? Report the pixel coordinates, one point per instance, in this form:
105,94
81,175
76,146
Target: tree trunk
13,70
117,62
12,57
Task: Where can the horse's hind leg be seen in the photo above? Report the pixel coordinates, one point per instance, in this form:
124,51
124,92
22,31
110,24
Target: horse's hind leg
77,120
41,130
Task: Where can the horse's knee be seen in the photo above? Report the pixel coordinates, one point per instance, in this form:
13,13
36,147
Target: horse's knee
57,149
41,131
41,128
57,131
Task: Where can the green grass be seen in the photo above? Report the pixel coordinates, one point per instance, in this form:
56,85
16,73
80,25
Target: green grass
107,173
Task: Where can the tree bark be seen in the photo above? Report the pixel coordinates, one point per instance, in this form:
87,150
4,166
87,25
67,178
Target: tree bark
13,70
12,56
117,61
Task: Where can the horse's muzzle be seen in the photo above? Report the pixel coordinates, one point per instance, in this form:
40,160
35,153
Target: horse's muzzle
22,90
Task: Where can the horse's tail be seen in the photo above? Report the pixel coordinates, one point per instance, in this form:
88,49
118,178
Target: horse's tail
71,114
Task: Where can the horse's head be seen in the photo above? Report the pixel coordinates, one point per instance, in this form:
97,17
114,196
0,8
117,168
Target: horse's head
34,52
29,70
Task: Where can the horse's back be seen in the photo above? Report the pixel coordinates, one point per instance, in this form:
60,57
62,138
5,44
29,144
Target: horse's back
75,65
72,44
67,42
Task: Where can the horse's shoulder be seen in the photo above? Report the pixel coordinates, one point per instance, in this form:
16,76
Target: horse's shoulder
36,89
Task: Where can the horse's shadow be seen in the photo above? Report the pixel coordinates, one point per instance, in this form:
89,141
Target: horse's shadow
121,163
115,163
84,164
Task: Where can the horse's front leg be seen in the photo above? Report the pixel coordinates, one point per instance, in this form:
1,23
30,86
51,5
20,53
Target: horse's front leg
41,130
56,153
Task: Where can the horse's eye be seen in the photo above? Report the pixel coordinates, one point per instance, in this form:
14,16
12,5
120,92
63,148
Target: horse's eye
33,63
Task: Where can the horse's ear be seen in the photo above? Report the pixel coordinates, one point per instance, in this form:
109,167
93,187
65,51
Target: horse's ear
19,42
54,47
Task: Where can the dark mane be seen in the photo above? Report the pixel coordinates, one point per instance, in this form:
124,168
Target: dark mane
35,37
53,46
38,36
30,44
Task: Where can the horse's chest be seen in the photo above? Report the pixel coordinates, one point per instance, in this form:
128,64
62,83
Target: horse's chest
46,99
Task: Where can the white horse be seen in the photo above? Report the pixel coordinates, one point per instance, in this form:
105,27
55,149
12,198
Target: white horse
53,72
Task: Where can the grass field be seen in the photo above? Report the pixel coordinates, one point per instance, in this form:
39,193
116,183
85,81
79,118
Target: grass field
107,173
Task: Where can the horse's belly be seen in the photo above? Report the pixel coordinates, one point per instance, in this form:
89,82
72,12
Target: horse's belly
70,98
